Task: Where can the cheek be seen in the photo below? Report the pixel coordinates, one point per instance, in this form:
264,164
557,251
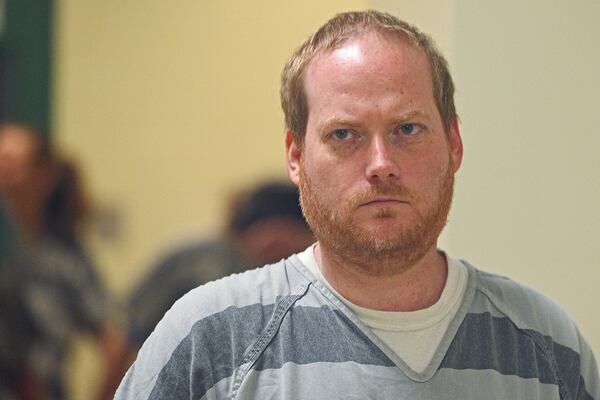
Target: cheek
431,171
326,180
318,177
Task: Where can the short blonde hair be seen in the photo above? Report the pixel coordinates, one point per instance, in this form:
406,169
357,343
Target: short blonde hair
341,28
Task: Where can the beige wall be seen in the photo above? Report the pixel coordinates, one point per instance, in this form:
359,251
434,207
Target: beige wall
432,16
529,189
168,107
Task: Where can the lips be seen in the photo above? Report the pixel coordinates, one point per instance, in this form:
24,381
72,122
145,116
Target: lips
380,196
384,202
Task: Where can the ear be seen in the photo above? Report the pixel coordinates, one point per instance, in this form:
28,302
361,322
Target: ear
456,145
293,154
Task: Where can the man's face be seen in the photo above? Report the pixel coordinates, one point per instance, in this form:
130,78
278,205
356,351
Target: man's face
376,168
17,149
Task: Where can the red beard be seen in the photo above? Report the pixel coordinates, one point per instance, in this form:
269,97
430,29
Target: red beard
395,249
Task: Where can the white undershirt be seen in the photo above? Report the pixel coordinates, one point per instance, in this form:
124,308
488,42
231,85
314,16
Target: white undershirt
413,336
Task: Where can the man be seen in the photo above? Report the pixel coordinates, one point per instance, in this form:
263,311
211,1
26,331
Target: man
374,309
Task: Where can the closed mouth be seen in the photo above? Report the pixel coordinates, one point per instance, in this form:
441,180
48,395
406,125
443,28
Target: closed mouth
384,202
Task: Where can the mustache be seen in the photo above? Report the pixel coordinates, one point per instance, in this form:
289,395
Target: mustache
378,191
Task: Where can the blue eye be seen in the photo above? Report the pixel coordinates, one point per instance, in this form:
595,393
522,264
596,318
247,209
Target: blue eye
408,129
342,134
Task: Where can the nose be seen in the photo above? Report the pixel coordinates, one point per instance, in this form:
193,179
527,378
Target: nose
381,166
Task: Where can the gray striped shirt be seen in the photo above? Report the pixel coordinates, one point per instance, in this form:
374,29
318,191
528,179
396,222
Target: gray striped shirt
277,333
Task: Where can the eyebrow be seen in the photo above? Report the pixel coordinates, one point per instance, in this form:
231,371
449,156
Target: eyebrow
410,115
335,120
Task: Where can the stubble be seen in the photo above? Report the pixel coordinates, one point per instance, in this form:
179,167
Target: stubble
378,251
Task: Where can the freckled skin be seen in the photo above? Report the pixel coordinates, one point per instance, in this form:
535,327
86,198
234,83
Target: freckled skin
374,133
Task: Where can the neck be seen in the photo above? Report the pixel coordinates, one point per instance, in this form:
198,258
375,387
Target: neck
408,288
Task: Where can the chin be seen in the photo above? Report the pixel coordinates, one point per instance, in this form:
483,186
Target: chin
385,226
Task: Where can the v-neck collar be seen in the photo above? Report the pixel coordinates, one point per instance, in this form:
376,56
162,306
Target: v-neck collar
443,346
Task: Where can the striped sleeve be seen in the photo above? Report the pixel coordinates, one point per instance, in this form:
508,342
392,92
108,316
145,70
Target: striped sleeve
526,321
209,334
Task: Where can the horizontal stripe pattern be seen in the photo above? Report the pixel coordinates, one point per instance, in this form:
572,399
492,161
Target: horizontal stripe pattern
211,352
264,285
310,335
227,350
219,343
523,306
350,380
486,342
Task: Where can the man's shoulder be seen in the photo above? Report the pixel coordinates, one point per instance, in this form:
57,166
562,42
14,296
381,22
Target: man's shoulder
216,321
509,294
262,287
527,308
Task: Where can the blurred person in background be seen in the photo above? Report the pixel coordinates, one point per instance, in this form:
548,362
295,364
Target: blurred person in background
42,196
17,330
265,224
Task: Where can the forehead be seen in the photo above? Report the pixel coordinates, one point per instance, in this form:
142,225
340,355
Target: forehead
386,62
